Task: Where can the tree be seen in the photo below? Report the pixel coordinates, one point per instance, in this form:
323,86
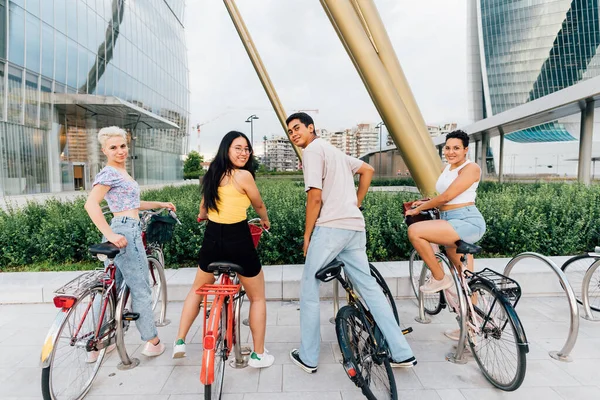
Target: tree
193,162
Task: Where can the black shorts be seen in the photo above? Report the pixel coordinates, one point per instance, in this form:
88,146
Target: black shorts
231,243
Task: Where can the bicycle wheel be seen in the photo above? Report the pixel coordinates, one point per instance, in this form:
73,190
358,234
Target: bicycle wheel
386,290
575,269
158,284
373,373
433,302
72,368
213,391
500,345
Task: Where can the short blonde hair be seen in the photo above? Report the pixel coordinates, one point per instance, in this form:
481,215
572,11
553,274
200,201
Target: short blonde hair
111,131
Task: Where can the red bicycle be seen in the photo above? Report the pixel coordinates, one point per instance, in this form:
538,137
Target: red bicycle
93,315
221,332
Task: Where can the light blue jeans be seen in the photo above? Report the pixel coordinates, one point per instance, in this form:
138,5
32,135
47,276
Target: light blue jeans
132,267
348,246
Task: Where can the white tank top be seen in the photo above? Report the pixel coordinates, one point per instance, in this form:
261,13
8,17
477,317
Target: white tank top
447,177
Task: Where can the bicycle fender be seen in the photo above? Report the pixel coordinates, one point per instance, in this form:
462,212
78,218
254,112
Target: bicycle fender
50,340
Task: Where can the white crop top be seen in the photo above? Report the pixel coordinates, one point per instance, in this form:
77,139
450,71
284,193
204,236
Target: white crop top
447,177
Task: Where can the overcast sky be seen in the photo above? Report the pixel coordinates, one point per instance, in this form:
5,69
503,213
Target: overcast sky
310,68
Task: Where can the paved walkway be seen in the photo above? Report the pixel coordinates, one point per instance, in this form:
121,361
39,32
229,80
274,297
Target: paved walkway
23,328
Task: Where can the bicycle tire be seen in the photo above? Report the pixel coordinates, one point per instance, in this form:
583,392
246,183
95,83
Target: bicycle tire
575,269
433,302
502,331
51,375
158,284
373,372
214,390
386,290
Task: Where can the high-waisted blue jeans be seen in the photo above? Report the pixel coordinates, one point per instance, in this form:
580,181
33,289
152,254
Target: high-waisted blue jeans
132,267
348,246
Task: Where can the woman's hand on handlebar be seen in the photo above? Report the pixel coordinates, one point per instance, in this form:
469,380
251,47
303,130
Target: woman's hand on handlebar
168,204
266,225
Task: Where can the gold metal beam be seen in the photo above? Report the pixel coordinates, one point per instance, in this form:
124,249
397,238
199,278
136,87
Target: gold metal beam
377,34
387,99
240,26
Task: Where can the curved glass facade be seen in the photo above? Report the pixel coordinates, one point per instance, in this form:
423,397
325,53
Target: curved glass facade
60,63
532,48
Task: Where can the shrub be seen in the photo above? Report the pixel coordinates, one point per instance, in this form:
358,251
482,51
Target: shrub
552,219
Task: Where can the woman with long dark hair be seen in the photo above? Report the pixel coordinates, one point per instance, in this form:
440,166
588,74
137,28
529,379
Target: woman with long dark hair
228,189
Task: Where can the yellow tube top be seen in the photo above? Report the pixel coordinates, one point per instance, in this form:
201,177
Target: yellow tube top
232,205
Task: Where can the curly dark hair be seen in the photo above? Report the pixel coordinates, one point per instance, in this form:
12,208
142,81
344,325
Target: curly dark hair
459,134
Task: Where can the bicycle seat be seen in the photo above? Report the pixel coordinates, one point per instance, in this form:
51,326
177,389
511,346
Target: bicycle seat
224,267
330,271
463,247
106,248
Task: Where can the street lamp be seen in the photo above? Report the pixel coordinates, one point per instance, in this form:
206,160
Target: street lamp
251,119
379,126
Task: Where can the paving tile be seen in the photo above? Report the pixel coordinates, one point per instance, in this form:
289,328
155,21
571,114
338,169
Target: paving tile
329,377
585,347
402,395
450,394
136,381
578,392
270,379
291,396
224,396
584,371
130,397
446,375
523,393
183,380
19,383
406,378
546,373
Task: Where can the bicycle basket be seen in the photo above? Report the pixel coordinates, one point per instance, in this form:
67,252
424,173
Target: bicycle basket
256,232
160,229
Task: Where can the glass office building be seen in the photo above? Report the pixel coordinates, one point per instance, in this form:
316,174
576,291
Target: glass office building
71,67
521,50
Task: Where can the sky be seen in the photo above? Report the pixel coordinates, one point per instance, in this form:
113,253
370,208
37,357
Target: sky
311,70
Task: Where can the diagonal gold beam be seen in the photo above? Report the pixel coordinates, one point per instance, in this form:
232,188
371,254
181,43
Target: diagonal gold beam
259,67
373,25
387,99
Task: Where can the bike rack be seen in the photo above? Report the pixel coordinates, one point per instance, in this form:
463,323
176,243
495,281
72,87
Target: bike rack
585,293
422,318
241,353
563,354
126,362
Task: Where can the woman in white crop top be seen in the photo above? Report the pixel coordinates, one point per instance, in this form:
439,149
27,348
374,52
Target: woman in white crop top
460,219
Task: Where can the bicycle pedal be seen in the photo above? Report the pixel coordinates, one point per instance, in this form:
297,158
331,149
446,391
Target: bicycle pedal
131,316
407,330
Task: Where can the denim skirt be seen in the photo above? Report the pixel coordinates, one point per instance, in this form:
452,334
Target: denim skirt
467,222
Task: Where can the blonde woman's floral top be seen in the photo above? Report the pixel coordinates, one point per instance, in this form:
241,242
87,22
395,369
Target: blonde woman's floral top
123,195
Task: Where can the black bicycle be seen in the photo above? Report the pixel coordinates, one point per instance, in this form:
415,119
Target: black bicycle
366,356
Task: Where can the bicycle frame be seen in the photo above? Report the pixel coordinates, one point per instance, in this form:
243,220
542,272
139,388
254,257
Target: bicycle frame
224,293
93,341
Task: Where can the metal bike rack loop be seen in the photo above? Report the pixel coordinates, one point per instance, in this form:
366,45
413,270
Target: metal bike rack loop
585,291
563,354
422,318
126,362
241,353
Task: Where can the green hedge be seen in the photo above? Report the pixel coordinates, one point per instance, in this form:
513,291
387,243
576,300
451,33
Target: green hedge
553,219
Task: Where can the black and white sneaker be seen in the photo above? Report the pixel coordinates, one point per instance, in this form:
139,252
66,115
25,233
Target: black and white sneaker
408,363
295,356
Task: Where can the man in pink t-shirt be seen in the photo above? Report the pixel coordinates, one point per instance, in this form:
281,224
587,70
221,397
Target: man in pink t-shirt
335,228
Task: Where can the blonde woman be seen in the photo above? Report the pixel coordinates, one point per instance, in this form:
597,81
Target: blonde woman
122,194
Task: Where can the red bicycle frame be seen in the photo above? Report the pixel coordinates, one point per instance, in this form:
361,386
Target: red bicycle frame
221,291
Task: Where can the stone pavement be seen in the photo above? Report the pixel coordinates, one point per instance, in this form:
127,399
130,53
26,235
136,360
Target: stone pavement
23,328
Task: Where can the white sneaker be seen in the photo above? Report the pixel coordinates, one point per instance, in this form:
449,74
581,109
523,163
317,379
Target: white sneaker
179,349
93,355
453,334
151,350
261,361
434,286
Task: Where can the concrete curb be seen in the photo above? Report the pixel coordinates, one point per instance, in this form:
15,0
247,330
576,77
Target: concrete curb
282,281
